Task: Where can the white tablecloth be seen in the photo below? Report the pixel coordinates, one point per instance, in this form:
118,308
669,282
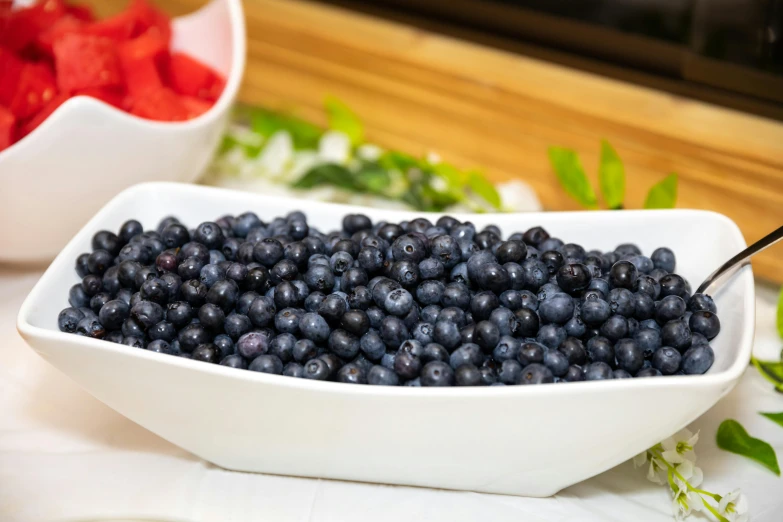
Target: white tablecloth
65,456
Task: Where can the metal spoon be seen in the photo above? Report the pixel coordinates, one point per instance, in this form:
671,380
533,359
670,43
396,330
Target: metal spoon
741,259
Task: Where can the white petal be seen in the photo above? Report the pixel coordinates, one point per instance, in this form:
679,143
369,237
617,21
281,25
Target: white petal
741,504
517,196
334,146
277,153
695,501
652,475
728,497
640,459
697,478
433,158
369,152
685,469
694,439
672,457
669,444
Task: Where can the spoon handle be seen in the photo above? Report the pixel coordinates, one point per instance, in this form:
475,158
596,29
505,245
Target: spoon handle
739,260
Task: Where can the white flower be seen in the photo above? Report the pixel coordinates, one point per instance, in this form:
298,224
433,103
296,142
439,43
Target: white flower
518,196
692,474
433,158
679,447
369,152
277,153
334,147
685,501
656,472
640,459
734,506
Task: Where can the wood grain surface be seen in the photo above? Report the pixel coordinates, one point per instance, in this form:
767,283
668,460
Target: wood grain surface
482,107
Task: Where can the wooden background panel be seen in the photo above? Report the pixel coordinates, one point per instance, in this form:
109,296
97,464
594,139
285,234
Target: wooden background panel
476,106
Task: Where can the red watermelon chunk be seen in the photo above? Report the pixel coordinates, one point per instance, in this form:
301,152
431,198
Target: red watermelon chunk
35,89
7,128
162,104
84,60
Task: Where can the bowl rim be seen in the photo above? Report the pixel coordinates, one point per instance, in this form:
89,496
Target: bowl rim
221,105
32,333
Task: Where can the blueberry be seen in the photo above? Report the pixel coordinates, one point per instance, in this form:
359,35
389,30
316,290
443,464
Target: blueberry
382,289
262,311
223,294
669,308
466,375
454,294
81,265
380,376
360,298
597,371
287,320
697,339
553,260
705,323
434,352
459,274
666,360
344,344
235,324
375,316
304,350
511,299
615,328
293,369
649,340
355,322
370,259
493,277
531,352
650,323
466,354
701,303
283,270
623,274
550,335
648,372
506,321
430,313
574,351
162,331
648,285
268,252
77,297
697,359
557,309
69,319
206,353
255,343
257,279
129,229
408,247
133,342
676,334
407,366
423,332
130,328
573,278
574,374
159,346
551,243
446,249
535,236
556,361
437,373
286,295
509,373
536,273
446,333
316,369
266,364
398,302
672,284
224,344
629,355
664,259
147,313
535,374
90,327
575,327
466,333
600,349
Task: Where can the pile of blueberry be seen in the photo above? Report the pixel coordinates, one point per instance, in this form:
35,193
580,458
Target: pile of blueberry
411,303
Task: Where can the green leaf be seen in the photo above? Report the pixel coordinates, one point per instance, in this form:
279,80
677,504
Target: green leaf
663,194
774,417
328,174
343,119
304,135
780,313
572,176
733,437
482,186
770,370
373,179
611,176
393,160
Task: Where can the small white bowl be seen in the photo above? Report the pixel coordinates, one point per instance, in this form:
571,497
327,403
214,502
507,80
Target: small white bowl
518,440
87,151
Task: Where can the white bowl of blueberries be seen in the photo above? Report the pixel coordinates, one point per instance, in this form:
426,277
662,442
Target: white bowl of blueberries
474,352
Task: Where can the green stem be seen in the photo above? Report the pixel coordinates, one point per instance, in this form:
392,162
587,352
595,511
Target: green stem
775,382
673,471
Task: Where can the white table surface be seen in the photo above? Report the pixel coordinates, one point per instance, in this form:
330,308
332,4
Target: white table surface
64,456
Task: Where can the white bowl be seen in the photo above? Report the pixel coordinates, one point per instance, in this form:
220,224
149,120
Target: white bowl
87,151
520,440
